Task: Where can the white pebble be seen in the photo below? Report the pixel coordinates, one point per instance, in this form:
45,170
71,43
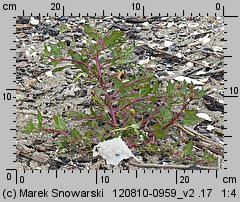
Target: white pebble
144,62
193,25
179,55
204,40
34,21
49,74
204,116
189,80
210,127
189,64
145,24
170,24
168,43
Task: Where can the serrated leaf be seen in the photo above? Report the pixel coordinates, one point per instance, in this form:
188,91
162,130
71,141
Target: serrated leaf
29,127
59,122
54,49
39,117
74,133
190,117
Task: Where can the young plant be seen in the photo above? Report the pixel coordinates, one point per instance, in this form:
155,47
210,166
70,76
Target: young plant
135,105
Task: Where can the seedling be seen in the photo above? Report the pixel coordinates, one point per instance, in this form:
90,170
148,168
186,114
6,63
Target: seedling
136,106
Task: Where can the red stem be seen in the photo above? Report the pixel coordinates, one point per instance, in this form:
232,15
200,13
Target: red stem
133,101
179,113
51,130
145,121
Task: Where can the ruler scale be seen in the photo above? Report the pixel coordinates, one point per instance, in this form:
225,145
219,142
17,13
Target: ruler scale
131,185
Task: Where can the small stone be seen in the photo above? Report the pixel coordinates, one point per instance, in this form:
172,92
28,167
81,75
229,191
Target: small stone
145,24
170,24
189,64
189,80
168,43
217,49
49,74
193,25
204,40
144,62
210,127
204,116
34,21
179,55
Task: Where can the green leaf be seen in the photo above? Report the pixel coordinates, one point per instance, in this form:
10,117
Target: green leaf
39,117
74,55
155,87
170,87
88,135
145,90
115,37
152,147
62,44
153,98
59,122
58,69
54,50
55,62
29,127
190,117
158,132
184,89
175,144
73,43
166,115
201,93
45,51
74,133
90,31
187,149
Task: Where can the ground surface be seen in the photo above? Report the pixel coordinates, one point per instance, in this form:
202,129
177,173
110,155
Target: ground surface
162,40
